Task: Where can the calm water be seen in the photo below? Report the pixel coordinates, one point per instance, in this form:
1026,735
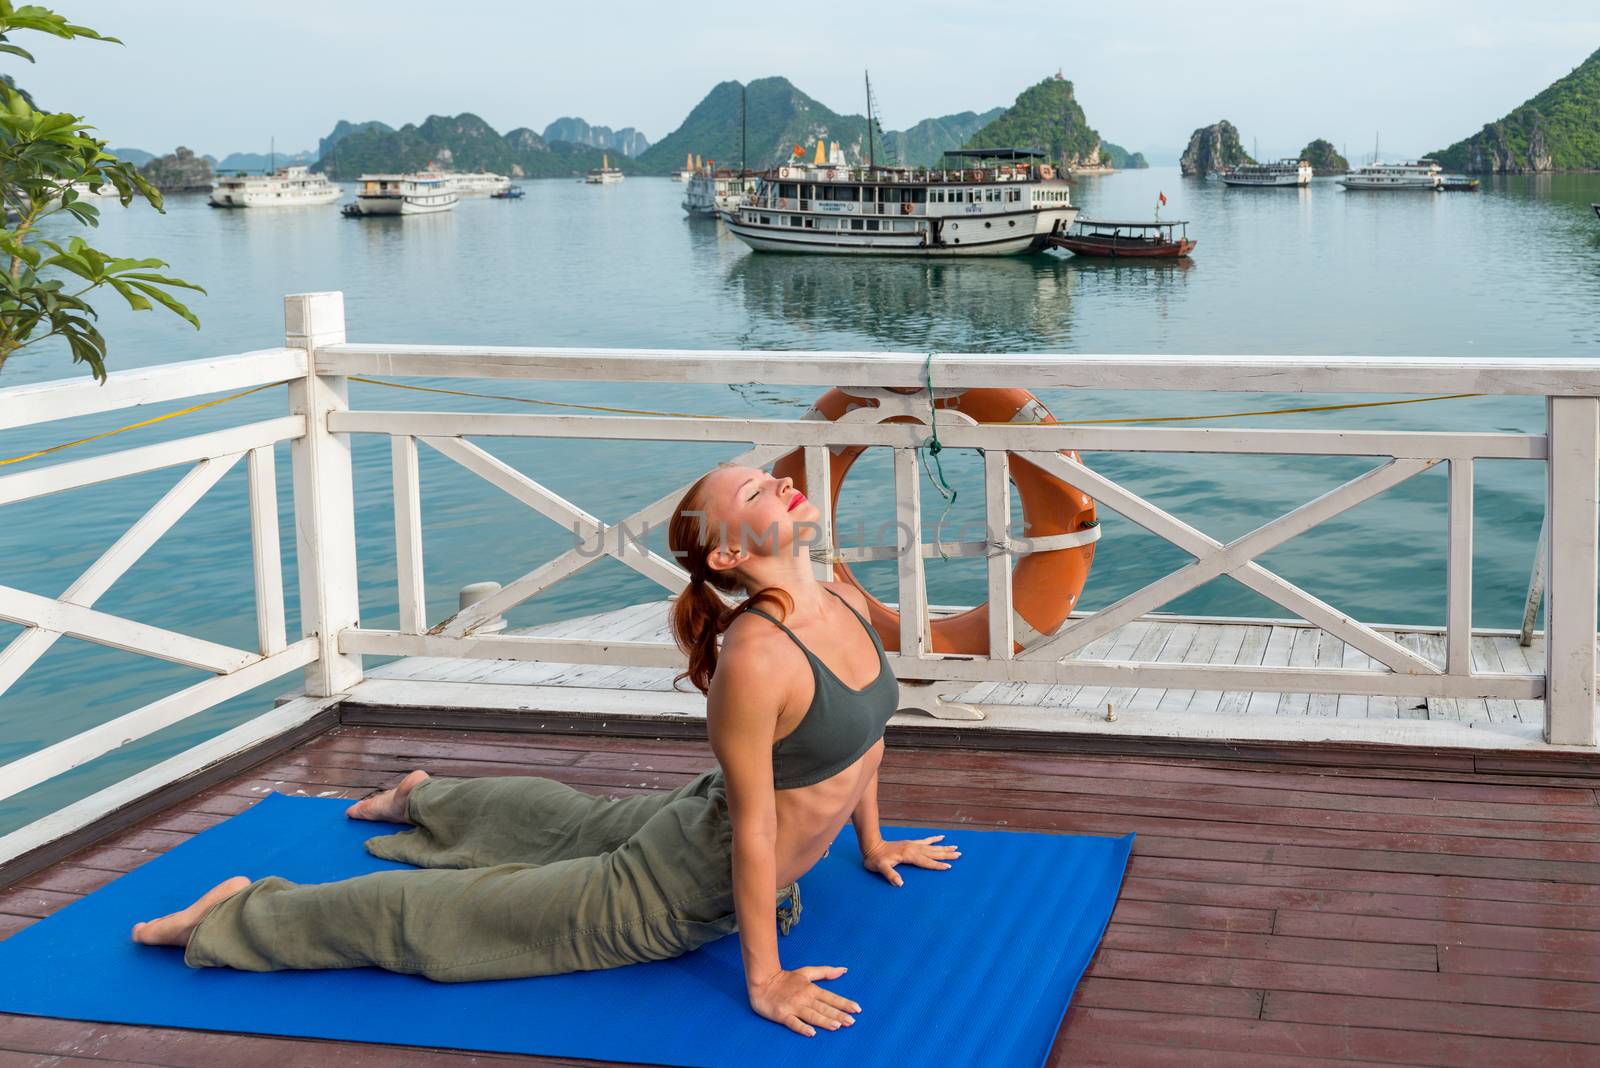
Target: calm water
1514,269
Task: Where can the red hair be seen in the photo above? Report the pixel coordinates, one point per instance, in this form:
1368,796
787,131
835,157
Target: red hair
698,615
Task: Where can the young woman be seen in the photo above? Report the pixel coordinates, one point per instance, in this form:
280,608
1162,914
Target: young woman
523,875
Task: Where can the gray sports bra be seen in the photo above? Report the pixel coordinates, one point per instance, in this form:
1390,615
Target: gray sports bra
841,723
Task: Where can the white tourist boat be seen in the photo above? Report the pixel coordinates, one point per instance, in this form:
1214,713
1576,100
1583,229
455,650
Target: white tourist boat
713,193
402,194
606,174
474,183
286,187
1422,174
992,202
1283,172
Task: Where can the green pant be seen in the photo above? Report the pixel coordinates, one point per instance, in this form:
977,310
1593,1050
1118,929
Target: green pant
527,876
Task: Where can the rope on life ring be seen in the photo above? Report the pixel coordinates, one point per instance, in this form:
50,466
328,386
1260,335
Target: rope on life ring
831,174
905,208
783,202
1045,582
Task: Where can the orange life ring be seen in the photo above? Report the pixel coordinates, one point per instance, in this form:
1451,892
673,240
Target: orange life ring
783,202
905,208
1045,584
1046,171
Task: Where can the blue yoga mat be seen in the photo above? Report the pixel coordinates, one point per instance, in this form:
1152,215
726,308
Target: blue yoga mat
970,965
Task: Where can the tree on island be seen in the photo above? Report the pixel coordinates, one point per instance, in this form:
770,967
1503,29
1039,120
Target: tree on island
44,158
1324,159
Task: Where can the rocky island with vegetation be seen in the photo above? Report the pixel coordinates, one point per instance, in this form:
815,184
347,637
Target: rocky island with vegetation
1213,148
179,172
1558,130
1324,159
1046,116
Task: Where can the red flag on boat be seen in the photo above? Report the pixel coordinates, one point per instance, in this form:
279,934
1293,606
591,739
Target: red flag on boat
1163,197
798,151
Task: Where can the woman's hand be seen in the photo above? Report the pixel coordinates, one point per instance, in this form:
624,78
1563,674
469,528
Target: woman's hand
794,1000
883,857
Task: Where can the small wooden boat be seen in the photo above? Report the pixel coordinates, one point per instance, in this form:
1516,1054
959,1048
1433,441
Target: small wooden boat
510,192
1458,183
1140,240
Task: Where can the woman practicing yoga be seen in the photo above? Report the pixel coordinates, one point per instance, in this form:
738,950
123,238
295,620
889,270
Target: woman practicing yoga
523,875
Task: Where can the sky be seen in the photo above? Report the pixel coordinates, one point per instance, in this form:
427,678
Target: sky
231,77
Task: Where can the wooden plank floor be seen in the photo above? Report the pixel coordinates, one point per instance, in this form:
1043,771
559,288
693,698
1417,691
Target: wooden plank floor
1155,638
1275,913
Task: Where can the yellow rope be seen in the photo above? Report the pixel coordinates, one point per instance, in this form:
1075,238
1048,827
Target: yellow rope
1241,415
535,400
692,415
135,426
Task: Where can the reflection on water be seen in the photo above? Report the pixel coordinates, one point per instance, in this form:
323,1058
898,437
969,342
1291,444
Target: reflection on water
905,303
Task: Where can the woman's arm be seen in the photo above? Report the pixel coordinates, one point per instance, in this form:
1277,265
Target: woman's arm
865,818
742,709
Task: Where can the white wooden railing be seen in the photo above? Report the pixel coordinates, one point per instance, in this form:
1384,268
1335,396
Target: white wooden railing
317,361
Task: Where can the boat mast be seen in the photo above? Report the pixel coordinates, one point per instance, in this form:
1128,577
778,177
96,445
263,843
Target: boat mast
871,160
273,169
744,92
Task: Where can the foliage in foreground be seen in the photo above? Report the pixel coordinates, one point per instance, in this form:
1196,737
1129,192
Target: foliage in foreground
48,161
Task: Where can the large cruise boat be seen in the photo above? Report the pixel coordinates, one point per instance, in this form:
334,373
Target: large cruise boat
1284,172
403,194
1422,174
711,193
293,186
473,183
990,202
606,174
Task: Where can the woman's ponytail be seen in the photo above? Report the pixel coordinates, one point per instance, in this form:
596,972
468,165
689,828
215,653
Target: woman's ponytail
699,615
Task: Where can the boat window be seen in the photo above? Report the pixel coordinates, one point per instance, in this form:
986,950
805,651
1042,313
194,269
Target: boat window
766,220
811,224
872,224
856,224
794,220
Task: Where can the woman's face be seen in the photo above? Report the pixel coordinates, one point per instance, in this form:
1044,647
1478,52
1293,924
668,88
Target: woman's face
750,509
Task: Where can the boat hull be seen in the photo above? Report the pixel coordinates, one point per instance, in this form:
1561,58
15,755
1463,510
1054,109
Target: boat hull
406,205
1025,232
1112,249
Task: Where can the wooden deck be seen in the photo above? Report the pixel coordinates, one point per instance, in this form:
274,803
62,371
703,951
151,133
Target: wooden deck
475,684
1289,907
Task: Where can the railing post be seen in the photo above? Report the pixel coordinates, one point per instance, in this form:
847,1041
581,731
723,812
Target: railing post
1572,503
324,496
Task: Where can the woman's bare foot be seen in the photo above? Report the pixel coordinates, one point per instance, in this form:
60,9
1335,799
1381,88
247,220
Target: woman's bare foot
175,928
389,805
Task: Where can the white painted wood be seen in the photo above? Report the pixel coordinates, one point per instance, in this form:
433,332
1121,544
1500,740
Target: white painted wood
997,512
1458,567
252,732
85,746
324,495
266,552
914,621
818,491
32,610
1252,575
615,540
1227,559
511,647
75,398
1573,507
573,560
1229,374
610,704
58,478
26,648
1044,543
860,428
1536,580
413,596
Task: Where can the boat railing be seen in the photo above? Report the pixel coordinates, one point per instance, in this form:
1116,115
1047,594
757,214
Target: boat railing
319,423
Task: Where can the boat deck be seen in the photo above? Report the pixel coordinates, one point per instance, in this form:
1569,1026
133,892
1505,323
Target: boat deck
1288,903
